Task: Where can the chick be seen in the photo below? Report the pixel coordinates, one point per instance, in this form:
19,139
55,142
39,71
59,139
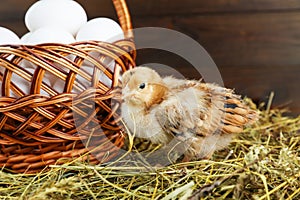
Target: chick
202,116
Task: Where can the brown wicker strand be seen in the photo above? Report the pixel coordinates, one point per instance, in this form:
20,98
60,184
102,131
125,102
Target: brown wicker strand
43,124
124,17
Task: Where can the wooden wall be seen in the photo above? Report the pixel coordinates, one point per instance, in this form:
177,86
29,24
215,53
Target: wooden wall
255,43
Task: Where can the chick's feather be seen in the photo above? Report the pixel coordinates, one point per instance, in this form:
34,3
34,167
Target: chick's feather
202,116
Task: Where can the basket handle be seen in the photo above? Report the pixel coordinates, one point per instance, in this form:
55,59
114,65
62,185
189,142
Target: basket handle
124,17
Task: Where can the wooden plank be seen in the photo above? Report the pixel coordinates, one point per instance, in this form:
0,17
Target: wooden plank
17,27
149,8
14,10
188,7
260,39
256,82
233,39
251,49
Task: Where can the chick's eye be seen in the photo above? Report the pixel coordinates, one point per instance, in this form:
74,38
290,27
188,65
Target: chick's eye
142,86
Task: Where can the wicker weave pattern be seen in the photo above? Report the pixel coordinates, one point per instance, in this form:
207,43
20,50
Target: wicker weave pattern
38,129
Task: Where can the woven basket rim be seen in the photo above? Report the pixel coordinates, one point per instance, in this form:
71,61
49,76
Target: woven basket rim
37,130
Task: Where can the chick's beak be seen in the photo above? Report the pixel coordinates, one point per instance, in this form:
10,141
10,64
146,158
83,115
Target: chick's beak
126,93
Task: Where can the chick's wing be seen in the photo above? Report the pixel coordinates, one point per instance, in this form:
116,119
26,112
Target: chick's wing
200,109
182,112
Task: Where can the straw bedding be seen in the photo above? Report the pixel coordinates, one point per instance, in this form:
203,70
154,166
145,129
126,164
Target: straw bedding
263,162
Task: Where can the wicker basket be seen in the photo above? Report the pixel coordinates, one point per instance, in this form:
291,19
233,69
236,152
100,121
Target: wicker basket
48,127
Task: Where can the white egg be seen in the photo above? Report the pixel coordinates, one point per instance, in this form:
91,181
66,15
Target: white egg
105,80
49,78
21,83
25,37
25,85
64,14
46,80
58,85
100,29
82,83
50,35
79,86
8,37
27,64
62,66
108,62
93,54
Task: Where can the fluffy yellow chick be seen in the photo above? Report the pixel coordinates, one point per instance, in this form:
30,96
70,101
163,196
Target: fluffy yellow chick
202,116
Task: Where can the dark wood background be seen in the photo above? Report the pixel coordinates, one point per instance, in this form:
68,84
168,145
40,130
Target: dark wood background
255,44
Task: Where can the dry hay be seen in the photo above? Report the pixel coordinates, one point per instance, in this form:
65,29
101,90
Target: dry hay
262,163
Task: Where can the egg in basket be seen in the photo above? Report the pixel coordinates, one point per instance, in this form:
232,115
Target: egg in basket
58,98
